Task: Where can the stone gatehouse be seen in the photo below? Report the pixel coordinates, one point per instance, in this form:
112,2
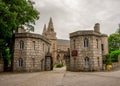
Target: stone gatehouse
87,49
30,51
35,52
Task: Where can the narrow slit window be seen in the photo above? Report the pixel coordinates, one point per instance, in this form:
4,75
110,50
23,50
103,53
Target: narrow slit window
97,42
21,44
34,45
86,61
74,44
43,46
86,42
20,62
98,61
102,47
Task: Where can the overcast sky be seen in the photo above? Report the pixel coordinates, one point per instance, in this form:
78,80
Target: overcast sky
73,15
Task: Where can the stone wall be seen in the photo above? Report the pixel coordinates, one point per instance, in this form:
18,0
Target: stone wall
53,49
63,47
104,41
116,64
32,56
1,67
1,63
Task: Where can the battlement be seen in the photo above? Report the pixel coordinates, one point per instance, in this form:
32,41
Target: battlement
31,35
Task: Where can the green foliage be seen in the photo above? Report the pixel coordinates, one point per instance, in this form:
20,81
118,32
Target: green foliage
59,65
7,55
114,55
15,13
107,60
21,12
118,30
114,42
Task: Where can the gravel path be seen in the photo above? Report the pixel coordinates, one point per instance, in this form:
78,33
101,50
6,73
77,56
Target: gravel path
60,77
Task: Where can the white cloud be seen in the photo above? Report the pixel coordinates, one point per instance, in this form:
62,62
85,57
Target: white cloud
71,15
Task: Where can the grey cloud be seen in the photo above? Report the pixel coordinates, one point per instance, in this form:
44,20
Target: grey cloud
72,15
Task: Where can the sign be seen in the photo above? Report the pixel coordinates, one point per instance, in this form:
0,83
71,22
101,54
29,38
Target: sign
74,53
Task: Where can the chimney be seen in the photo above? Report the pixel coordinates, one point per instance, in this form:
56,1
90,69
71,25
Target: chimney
97,28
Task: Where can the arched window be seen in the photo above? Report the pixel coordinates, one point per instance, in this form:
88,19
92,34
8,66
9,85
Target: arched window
86,42
21,44
87,61
20,63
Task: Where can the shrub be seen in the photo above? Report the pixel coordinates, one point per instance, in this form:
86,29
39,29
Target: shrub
114,55
59,65
107,60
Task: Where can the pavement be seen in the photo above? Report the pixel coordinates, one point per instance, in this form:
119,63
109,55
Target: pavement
61,77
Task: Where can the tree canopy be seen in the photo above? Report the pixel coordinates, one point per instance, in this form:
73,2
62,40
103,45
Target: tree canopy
114,55
13,14
114,42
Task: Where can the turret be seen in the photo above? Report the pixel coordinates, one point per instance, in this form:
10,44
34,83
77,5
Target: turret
44,30
97,28
50,25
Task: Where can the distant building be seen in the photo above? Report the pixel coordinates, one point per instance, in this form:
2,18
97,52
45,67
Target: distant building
57,45
87,49
62,49
50,34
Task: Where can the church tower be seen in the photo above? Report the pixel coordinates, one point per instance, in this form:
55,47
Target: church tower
51,35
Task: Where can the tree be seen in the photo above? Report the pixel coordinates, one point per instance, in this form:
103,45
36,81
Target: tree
15,13
107,60
118,30
114,42
114,55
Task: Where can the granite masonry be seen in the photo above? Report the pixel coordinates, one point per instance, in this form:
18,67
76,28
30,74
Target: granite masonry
35,52
87,49
30,51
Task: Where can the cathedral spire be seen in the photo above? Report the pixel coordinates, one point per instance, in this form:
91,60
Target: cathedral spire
50,25
44,30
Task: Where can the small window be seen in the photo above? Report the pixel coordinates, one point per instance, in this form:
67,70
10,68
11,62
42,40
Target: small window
98,61
87,61
21,44
43,46
20,62
34,45
97,42
33,61
86,42
74,43
102,47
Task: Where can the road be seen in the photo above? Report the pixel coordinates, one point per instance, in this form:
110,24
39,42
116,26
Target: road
60,77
